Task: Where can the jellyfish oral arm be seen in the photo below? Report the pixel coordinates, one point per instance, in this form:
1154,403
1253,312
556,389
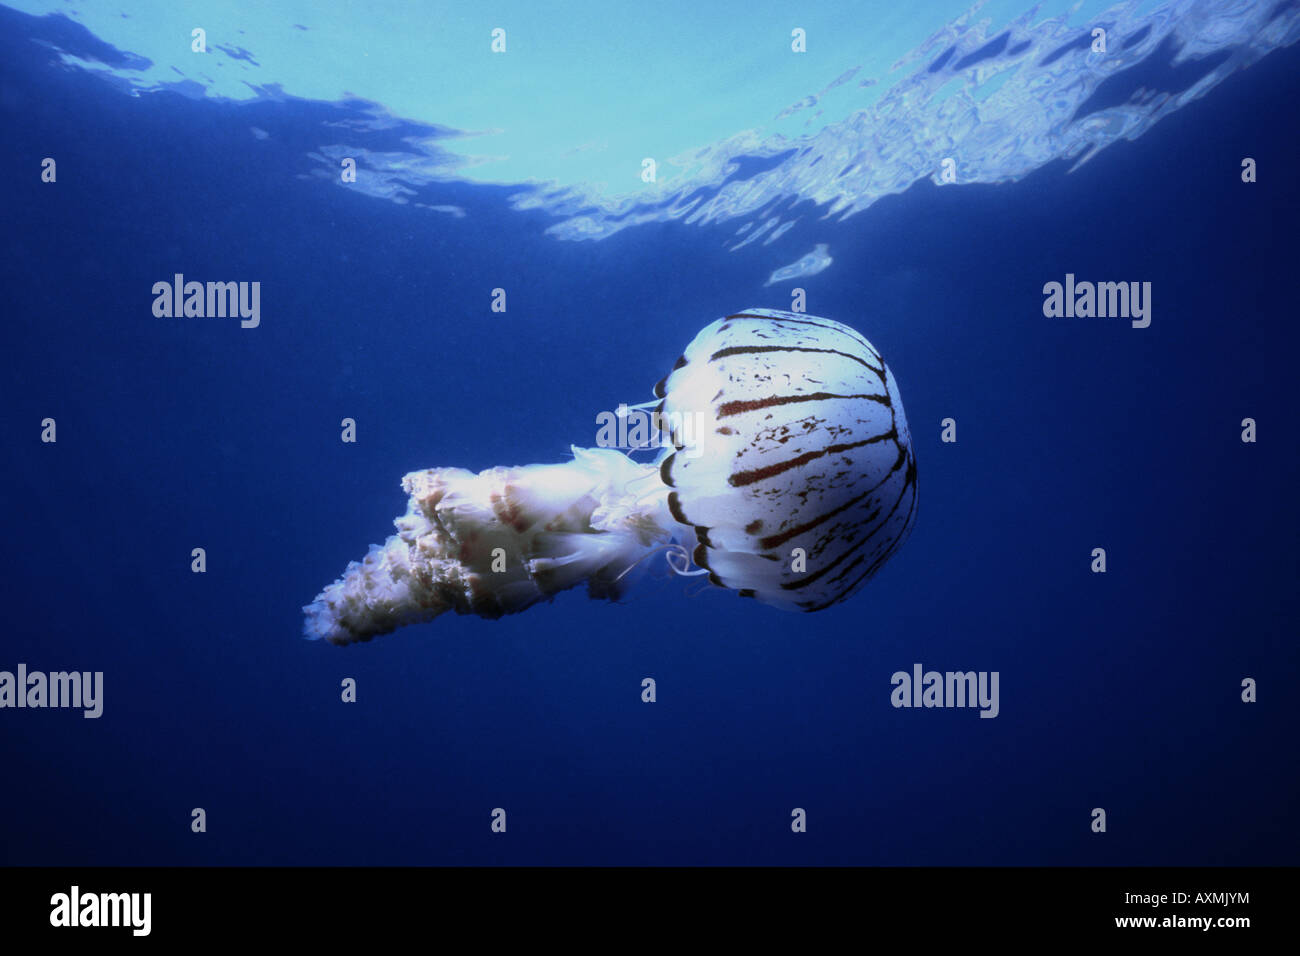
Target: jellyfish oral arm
500,541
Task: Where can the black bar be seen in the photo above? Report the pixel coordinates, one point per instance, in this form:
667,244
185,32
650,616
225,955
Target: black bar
335,905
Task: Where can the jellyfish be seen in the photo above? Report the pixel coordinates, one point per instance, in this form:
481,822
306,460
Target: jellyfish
786,475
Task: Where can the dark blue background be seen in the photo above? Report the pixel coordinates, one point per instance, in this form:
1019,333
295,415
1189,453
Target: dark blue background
1118,690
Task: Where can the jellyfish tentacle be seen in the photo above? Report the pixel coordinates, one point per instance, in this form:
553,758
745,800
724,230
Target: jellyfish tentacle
683,570
498,542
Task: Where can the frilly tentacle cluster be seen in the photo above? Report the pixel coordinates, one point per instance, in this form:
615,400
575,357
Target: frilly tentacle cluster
498,542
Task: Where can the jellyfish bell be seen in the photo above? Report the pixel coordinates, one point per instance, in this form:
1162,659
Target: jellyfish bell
789,478
807,480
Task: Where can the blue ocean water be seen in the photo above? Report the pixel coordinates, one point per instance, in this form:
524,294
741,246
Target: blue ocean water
1119,690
